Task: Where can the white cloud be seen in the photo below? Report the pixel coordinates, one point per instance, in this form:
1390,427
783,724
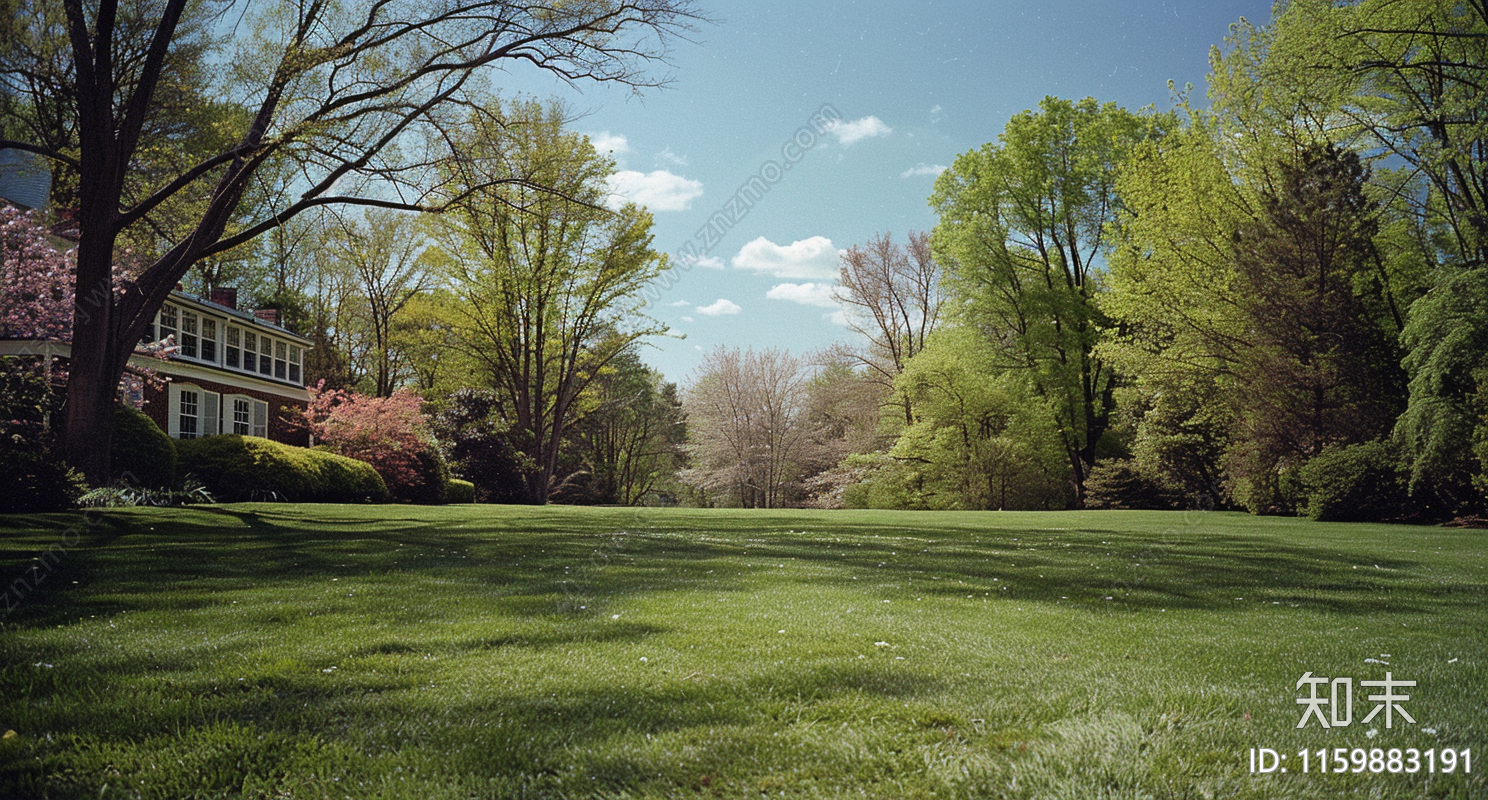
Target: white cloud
858,129
679,304
923,169
687,319
935,109
608,143
807,294
720,308
658,190
838,317
807,258
666,156
711,262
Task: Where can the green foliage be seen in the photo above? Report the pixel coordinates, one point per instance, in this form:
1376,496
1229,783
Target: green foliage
981,439
32,473
143,455
626,441
1021,235
477,445
1399,79
432,483
1120,483
252,468
1355,483
1447,353
459,492
544,282
1182,435
1316,369
1480,439
124,495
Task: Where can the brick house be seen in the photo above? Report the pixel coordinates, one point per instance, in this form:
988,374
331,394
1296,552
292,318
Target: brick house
231,371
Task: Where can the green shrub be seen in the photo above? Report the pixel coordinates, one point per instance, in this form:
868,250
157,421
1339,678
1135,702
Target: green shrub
430,485
1358,483
33,476
1119,483
141,454
252,468
460,492
122,495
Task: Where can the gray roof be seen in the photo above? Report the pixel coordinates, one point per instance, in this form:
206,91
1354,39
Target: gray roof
25,179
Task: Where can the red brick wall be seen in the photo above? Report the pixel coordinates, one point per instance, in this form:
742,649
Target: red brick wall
157,406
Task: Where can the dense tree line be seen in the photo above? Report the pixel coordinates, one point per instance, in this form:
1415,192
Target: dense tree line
1277,303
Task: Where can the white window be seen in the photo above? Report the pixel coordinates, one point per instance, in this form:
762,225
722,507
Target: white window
281,360
188,334
265,355
193,412
245,416
260,418
250,355
167,321
242,416
209,340
296,356
188,413
232,353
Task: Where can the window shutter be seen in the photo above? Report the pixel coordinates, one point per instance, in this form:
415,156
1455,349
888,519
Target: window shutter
260,418
209,416
173,411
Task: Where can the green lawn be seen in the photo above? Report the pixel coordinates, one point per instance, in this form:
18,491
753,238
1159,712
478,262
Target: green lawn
386,651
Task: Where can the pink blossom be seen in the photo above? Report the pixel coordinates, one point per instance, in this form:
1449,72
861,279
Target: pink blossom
387,432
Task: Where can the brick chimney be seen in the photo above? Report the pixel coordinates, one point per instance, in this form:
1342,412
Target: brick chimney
269,315
226,296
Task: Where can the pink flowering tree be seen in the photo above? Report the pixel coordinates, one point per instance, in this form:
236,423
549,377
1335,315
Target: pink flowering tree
390,433
36,280
36,295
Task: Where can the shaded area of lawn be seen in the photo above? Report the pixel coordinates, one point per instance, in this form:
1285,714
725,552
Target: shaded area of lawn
307,651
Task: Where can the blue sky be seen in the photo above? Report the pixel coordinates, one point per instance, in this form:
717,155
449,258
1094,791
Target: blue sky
915,84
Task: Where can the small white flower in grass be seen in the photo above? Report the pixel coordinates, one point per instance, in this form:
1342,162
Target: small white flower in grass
780,631
614,616
1371,733
880,644
1452,661
1376,661
643,658
898,658
1431,731
329,670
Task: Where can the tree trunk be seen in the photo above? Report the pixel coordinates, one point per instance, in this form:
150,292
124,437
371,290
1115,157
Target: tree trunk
92,379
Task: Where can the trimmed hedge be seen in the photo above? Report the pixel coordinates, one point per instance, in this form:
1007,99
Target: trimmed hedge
459,491
142,454
252,468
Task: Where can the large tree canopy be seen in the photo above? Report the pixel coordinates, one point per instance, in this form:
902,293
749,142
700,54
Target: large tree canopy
546,280
1021,238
